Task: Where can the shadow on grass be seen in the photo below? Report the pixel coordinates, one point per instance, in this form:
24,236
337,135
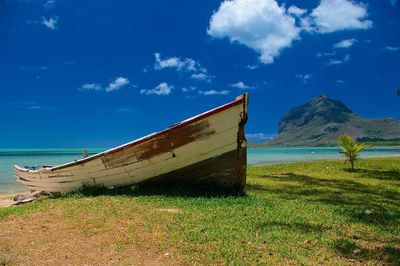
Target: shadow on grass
315,186
358,202
356,199
169,190
351,250
377,174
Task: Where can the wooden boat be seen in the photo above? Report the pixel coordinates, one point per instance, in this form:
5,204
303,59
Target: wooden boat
209,148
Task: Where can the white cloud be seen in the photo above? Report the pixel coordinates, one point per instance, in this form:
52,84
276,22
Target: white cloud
252,67
259,136
117,84
340,81
345,43
240,85
267,28
304,77
214,92
162,89
201,76
326,54
261,25
50,23
306,24
391,48
188,89
91,87
185,64
49,4
296,11
335,15
338,61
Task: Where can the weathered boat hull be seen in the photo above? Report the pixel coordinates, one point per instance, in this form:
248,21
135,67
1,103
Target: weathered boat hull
206,149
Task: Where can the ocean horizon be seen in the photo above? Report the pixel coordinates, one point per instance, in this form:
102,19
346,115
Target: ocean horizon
256,156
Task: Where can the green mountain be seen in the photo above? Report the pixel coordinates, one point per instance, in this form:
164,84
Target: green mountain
320,121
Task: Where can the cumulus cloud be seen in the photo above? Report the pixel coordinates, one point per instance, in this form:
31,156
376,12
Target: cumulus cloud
49,4
296,11
214,92
118,83
180,64
345,43
261,25
51,22
267,28
306,24
336,15
240,85
391,48
162,89
345,59
91,87
201,76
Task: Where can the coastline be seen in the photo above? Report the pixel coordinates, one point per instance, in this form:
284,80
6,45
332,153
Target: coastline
11,194
4,195
319,160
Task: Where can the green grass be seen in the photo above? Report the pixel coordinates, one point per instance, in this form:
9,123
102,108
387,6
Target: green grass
299,213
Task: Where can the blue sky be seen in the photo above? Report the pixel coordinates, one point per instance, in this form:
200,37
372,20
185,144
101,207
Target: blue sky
100,73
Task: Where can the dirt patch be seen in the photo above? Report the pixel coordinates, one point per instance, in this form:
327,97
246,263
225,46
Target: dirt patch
170,210
280,173
48,238
4,203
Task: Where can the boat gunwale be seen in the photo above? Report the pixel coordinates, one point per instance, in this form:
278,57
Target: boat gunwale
237,101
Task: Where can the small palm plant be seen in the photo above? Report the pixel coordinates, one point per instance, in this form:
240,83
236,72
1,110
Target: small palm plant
351,149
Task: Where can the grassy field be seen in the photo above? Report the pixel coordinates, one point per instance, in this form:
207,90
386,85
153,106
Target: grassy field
300,213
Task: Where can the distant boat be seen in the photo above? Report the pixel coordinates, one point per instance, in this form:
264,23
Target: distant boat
208,149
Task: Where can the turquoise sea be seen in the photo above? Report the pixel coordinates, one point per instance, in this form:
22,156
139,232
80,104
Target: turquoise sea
32,157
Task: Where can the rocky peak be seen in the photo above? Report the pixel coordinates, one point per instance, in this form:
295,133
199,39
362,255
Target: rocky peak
319,110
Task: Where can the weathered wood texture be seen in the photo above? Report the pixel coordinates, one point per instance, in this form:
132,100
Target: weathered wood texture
208,148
